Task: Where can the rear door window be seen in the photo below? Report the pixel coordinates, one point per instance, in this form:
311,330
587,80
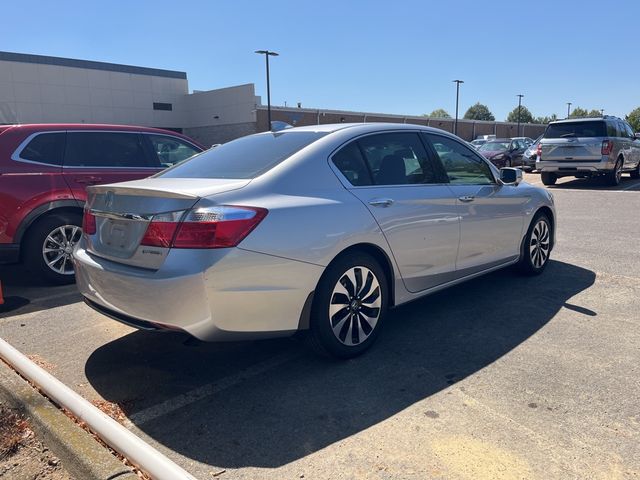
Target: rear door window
351,164
171,150
45,148
576,129
105,149
398,159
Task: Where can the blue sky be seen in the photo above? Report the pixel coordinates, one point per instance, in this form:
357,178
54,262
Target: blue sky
392,56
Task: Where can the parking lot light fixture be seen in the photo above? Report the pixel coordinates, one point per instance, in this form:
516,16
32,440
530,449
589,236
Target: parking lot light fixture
455,125
268,54
568,109
519,107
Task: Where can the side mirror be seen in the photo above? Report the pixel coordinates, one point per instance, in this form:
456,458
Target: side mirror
511,176
636,135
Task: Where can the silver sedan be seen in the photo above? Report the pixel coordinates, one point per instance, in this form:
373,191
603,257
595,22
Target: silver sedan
317,229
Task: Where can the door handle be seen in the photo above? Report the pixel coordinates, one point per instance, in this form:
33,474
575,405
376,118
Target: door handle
88,180
467,198
381,202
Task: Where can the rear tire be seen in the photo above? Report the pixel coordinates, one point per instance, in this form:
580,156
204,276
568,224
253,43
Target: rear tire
48,246
349,306
548,178
614,177
536,248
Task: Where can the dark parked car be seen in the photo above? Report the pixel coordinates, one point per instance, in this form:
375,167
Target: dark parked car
504,152
44,170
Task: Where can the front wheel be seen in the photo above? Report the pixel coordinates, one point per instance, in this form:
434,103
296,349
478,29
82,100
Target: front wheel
49,247
636,173
349,306
536,247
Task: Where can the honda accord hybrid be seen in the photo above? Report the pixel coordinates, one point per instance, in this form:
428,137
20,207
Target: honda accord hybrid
318,230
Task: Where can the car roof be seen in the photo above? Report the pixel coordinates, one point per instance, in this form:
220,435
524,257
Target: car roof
364,128
29,128
570,120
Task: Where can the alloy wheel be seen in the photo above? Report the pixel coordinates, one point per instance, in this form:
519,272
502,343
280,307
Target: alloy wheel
57,248
355,306
539,245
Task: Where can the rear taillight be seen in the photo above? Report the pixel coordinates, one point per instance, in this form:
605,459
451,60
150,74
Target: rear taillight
89,223
212,227
607,146
539,151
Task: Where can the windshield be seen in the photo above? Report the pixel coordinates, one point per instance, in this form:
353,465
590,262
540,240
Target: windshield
246,157
575,129
494,147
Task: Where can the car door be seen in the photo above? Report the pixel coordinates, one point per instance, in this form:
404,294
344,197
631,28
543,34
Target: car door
396,180
633,156
491,214
517,149
99,157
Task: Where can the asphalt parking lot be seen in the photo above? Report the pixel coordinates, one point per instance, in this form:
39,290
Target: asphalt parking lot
503,377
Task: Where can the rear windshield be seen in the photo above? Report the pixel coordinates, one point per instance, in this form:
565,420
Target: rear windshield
576,129
246,157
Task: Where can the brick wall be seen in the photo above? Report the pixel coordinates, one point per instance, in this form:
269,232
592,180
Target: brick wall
467,129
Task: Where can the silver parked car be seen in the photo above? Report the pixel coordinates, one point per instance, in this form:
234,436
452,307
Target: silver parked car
588,147
318,229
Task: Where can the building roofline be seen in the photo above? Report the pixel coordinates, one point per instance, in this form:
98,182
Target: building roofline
71,62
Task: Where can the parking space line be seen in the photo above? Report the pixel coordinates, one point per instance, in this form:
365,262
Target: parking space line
188,398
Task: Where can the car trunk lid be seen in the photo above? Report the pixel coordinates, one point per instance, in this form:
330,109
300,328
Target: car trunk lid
572,149
123,212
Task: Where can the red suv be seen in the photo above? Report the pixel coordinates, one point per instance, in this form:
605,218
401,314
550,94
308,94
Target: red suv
44,170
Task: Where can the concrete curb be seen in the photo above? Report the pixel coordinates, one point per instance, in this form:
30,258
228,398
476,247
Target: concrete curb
81,455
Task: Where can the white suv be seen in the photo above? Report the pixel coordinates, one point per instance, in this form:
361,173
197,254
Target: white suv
588,147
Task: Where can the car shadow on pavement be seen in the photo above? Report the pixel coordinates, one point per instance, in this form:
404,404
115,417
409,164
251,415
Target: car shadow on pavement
597,183
25,293
181,395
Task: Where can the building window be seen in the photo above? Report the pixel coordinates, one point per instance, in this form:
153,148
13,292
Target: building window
162,106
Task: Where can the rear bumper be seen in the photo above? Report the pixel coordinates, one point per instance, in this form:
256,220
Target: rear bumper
214,295
570,167
9,252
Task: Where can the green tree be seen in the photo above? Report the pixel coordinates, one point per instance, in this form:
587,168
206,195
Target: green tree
634,119
595,113
479,112
579,113
545,120
525,115
438,113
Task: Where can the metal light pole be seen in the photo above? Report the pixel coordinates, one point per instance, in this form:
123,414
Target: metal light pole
568,109
519,106
602,112
455,125
268,54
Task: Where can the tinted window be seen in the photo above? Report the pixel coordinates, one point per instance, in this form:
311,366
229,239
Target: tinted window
398,159
612,129
45,148
104,149
622,130
350,162
245,157
462,165
576,129
628,129
171,150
